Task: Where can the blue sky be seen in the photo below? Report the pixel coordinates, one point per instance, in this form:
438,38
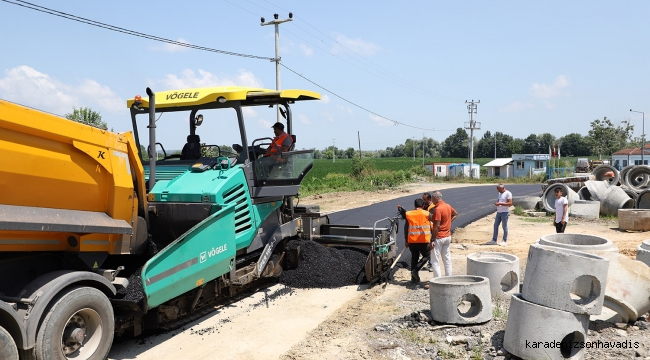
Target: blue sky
551,66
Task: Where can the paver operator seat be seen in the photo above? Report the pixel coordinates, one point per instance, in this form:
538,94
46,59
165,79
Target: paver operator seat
192,149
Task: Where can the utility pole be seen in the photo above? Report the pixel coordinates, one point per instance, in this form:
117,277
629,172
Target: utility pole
277,23
334,150
359,137
472,125
423,149
495,145
413,146
642,135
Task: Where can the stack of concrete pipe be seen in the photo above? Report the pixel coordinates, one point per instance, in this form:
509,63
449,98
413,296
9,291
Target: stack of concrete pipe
562,289
634,180
627,295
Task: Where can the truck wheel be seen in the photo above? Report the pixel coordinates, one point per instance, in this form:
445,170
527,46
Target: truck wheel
78,326
8,348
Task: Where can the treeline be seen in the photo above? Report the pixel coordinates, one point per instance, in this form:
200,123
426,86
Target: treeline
603,138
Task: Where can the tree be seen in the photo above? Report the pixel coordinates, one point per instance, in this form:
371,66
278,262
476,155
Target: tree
574,144
485,146
516,146
87,116
456,145
531,144
605,138
349,152
545,141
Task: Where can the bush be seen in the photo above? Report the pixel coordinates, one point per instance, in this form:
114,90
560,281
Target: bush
360,167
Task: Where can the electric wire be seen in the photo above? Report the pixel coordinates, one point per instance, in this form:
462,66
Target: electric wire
46,10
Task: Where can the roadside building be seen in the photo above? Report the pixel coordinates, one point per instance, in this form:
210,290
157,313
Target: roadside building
625,157
438,168
463,170
500,168
529,164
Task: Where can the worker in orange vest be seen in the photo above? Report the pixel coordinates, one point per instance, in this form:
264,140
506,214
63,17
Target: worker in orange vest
281,142
417,234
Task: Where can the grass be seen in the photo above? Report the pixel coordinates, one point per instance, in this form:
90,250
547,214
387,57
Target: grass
499,310
384,173
536,219
412,336
447,354
518,210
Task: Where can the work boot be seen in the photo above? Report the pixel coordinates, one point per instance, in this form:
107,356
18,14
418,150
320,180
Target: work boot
415,278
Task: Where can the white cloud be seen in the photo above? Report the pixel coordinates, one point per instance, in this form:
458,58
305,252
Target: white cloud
306,50
304,119
325,99
30,87
549,105
189,79
265,123
544,91
380,121
345,108
516,107
167,47
249,112
359,46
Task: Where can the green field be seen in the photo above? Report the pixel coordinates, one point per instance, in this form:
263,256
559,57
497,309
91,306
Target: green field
328,176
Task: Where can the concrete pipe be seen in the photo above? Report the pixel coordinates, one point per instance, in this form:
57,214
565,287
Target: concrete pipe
615,198
622,175
643,252
538,332
628,287
634,219
548,199
585,209
526,202
502,269
567,280
603,172
460,299
596,189
638,178
584,193
643,200
631,193
579,242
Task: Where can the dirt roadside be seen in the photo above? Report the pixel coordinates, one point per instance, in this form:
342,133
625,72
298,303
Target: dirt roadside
383,322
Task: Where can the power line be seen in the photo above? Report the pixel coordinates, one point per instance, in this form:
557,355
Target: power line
360,57
43,9
356,105
160,39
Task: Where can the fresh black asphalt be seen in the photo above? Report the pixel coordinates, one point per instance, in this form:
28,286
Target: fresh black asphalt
471,203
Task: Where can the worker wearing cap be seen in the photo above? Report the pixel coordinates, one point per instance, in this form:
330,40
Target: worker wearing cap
281,142
417,236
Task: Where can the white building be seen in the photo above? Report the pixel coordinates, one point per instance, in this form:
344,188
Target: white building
625,157
501,168
463,170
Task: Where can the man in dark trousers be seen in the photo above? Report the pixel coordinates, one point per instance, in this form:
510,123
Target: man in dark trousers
417,235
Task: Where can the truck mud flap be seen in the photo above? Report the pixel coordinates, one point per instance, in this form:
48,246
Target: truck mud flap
202,254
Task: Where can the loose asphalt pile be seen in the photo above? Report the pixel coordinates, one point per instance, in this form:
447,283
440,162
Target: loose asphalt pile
325,267
134,292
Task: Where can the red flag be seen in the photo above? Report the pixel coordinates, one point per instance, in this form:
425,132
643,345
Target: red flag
554,151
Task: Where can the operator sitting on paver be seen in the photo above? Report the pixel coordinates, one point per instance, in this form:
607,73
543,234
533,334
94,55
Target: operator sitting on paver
417,235
281,142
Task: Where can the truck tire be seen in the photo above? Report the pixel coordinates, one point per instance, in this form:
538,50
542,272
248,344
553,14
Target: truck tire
8,348
79,325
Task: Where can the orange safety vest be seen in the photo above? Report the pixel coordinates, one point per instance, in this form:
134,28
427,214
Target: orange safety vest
431,206
276,145
419,226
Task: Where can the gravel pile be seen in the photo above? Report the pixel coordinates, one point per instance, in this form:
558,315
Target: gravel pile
134,292
326,267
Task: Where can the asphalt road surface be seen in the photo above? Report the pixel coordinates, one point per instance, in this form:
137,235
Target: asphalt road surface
471,203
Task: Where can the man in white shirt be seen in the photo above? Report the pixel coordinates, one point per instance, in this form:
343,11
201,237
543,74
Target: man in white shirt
561,211
504,201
